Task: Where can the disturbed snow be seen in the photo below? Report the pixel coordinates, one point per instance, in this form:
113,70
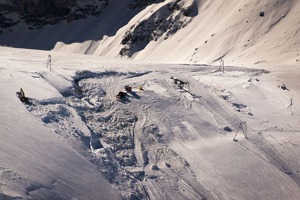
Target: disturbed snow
163,140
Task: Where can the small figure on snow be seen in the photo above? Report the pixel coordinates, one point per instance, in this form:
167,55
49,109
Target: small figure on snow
128,88
22,93
22,96
120,95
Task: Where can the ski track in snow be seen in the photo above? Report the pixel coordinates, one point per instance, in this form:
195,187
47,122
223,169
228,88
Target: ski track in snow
181,182
185,182
128,140
275,158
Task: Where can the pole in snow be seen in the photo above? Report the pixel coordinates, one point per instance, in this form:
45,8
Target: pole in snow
160,152
222,68
49,62
242,126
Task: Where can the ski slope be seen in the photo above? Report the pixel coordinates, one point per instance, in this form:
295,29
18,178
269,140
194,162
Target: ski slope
75,140
37,162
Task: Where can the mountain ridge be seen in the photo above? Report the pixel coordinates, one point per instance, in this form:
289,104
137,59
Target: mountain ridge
179,31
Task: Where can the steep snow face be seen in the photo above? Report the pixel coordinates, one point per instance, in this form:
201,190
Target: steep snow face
250,29
241,32
186,31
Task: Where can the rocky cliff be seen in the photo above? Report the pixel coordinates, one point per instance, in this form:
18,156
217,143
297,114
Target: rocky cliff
38,13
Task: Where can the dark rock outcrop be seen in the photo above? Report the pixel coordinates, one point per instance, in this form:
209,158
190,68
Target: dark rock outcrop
165,22
142,3
38,13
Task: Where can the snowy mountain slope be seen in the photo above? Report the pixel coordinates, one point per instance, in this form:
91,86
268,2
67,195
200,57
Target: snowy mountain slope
233,30
172,139
37,163
242,32
112,17
160,142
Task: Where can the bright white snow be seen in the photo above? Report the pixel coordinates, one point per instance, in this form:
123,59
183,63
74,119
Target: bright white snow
35,161
231,135
160,142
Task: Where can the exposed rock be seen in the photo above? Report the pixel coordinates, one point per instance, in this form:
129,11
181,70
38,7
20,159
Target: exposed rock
165,22
283,86
227,129
38,13
142,3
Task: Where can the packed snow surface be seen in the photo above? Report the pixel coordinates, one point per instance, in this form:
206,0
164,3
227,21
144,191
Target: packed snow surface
182,132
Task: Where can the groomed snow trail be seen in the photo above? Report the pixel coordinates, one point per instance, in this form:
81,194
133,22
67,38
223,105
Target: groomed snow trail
143,143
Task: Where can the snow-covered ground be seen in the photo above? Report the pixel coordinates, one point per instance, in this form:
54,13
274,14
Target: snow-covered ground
248,32
75,140
36,161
